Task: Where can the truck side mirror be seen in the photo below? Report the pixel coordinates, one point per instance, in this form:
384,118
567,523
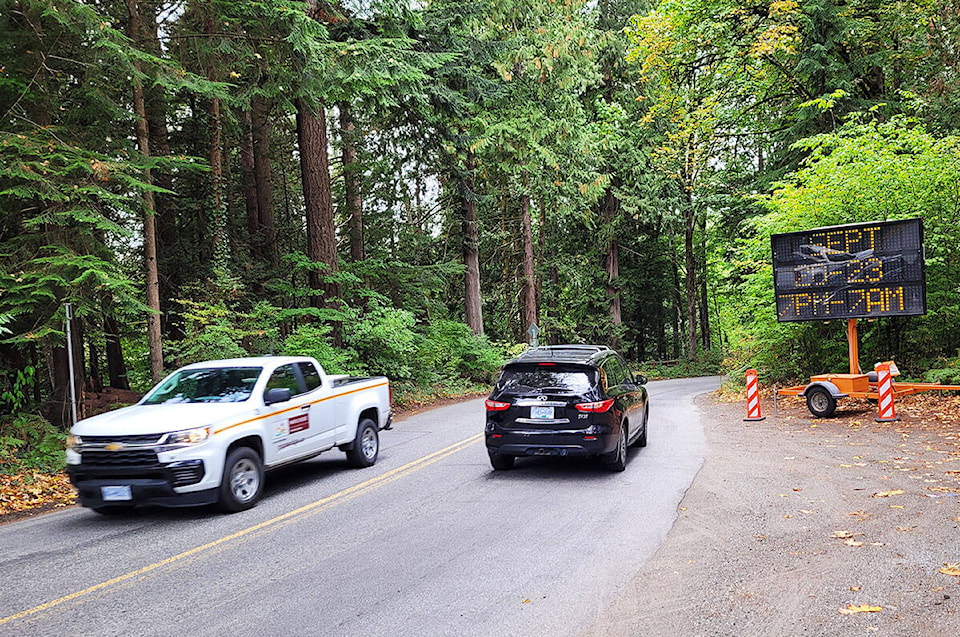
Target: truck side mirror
277,395
640,379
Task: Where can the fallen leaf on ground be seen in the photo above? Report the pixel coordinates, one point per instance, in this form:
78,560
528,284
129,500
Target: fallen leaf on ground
841,534
887,494
863,608
951,569
852,542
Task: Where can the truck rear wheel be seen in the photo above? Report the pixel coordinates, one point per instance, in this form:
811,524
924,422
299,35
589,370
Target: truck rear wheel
366,447
242,483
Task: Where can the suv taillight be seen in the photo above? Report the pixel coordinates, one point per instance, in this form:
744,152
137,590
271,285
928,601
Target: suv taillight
595,408
496,405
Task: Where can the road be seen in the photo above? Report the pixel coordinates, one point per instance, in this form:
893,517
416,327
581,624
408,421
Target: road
429,541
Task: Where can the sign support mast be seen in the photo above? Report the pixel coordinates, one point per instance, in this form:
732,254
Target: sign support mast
852,346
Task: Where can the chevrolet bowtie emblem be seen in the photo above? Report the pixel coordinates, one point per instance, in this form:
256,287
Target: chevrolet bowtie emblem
114,446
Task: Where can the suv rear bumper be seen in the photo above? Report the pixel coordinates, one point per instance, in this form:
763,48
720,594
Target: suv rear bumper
551,444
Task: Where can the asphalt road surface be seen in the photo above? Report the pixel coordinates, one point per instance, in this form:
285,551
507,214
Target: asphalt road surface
429,541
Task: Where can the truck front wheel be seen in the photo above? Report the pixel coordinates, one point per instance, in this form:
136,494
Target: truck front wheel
366,446
242,483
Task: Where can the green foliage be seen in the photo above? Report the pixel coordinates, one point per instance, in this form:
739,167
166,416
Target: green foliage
449,350
867,171
14,398
709,364
30,442
314,340
386,342
212,332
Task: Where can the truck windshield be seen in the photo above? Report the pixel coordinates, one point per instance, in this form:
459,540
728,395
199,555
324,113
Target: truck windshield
521,379
213,385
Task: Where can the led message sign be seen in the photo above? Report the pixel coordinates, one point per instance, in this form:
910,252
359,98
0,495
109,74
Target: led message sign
862,270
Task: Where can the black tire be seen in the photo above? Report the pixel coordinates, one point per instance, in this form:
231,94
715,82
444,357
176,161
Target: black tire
366,446
617,459
821,402
641,440
113,509
242,482
501,462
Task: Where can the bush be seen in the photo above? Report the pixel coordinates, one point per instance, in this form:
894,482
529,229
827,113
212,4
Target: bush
314,340
29,442
453,351
384,339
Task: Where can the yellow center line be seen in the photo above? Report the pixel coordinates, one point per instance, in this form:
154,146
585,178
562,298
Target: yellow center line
344,495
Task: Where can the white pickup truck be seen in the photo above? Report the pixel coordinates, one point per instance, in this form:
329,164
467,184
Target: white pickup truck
208,431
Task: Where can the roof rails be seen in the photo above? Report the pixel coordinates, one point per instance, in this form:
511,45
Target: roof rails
560,350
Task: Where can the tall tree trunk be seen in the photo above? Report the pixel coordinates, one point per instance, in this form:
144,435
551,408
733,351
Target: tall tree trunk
58,411
529,276
703,301
677,305
218,233
150,209
321,225
690,263
116,366
351,184
170,245
611,207
263,176
473,302
249,176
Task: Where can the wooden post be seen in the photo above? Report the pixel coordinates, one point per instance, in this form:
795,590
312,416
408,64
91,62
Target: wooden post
852,346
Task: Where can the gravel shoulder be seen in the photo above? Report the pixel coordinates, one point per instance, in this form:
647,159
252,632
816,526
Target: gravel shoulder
804,526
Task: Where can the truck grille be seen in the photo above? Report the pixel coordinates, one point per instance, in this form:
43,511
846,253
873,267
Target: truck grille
123,458
142,439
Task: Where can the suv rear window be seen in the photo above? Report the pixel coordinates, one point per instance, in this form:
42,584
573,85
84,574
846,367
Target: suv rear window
521,379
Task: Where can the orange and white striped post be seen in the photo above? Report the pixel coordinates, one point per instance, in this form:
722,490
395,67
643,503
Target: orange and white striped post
885,405
753,396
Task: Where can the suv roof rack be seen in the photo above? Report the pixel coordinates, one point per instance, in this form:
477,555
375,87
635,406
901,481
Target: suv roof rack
573,352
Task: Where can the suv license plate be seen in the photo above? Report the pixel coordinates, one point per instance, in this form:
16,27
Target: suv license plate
541,413
116,494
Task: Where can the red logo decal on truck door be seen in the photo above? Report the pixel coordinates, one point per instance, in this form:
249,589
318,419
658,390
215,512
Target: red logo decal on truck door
299,423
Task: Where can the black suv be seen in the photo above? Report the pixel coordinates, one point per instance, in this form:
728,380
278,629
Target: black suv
566,400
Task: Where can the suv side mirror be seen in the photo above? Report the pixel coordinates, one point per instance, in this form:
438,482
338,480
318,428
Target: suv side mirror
277,395
640,379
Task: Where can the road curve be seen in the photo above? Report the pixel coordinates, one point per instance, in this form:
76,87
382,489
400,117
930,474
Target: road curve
429,541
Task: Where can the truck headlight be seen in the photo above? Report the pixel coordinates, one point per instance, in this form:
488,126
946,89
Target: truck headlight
74,443
187,437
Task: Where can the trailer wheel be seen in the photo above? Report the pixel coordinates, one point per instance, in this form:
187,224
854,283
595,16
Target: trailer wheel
821,402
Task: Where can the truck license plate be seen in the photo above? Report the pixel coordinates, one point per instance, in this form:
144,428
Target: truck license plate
541,413
116,494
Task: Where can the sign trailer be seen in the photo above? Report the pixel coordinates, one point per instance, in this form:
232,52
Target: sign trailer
862,270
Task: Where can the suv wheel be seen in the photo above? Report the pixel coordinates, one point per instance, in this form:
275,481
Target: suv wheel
501,462
617,460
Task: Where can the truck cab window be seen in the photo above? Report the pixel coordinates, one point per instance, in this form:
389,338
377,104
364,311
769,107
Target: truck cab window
310,375
285,377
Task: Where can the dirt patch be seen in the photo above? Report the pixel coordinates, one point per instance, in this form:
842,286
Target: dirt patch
804,526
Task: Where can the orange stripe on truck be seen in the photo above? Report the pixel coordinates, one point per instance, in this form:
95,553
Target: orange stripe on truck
283,411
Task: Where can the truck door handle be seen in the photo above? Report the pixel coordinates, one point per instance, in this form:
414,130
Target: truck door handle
305,408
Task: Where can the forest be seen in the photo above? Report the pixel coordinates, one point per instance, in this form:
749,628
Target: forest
404,187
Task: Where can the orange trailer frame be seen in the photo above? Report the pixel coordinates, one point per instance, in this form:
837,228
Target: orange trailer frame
823,390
